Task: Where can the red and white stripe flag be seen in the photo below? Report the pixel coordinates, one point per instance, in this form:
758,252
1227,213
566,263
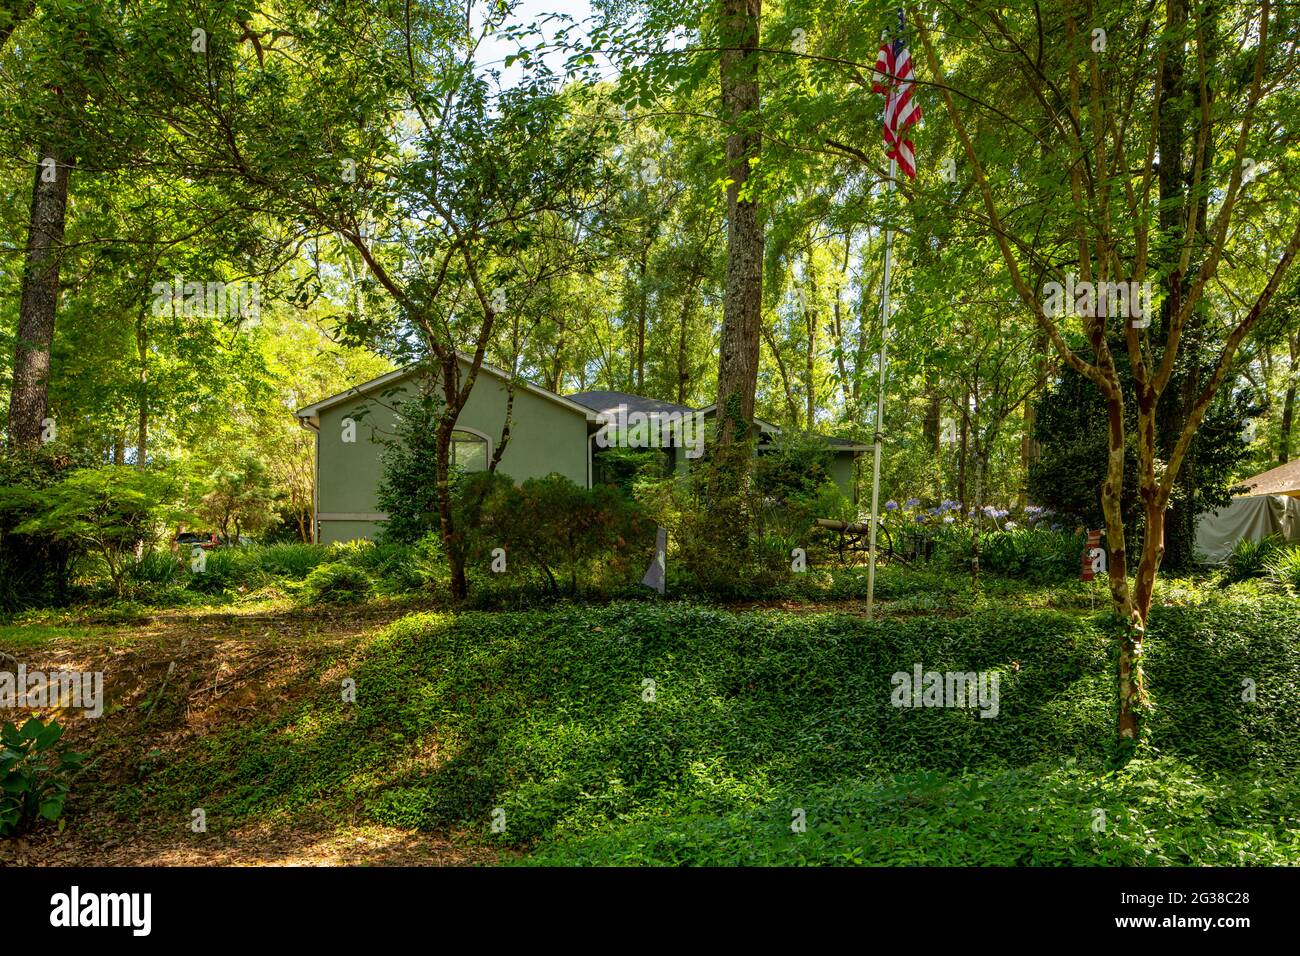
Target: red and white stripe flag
893,76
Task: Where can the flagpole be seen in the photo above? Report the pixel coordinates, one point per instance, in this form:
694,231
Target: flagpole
880,399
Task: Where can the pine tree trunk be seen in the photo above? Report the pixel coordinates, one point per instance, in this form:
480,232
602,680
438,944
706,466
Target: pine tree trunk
738,351
29,398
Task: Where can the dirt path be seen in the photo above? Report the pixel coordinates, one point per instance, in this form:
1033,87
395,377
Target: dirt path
167,681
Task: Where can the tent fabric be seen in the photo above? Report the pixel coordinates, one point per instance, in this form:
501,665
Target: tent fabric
1253,517
1282,480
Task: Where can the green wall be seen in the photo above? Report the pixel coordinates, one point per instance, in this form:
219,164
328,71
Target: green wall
842,471
545,437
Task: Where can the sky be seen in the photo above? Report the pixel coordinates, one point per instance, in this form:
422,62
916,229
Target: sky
494,49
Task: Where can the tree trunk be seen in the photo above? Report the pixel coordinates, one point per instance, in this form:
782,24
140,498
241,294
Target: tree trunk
142,399
963,450
29,399
791,406
1288,402
738,352
810,326
683,327
1132,698
452,543
1031,450
505,426
932,426
642,306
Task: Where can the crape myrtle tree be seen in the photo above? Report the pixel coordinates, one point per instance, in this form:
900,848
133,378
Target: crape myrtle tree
1069,183
373,125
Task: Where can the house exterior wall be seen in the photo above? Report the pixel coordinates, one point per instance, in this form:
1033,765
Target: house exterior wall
842,470
545,437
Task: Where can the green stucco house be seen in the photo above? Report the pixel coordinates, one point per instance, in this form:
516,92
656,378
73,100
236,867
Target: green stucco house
549,433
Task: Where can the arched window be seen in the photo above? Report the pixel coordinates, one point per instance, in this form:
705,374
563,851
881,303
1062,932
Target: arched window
469,450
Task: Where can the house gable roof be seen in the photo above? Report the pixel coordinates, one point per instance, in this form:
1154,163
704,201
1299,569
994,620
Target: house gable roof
602,401
609,401
1282,480
377,384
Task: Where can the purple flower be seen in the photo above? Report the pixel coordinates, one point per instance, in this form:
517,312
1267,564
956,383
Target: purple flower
912,502
891,505
920,519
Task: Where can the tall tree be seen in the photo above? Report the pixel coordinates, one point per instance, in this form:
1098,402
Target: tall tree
1093,108
738,31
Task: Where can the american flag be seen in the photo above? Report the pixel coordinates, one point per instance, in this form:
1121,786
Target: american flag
893,76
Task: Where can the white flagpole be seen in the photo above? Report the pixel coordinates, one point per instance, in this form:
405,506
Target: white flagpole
880,400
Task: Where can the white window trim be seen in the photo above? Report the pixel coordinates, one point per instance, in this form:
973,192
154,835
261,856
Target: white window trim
483,435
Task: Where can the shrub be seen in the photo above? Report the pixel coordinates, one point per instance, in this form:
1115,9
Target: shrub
732,536
338,583
35,774
35,568
408,491
1249,559
227,569
571,535
288,560
241,497
1284,568
106,512
157,568
1031,554
1070,425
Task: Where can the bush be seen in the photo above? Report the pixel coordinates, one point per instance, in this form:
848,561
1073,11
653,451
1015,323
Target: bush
733,537
395,568
105,512
1284,568
1249,559
1032,555
35,774
408,491
35,568
573,536
157,569
227,569
288,560
336,584
1070,425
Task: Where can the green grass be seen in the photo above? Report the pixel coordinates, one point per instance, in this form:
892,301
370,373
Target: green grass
37,635
542,714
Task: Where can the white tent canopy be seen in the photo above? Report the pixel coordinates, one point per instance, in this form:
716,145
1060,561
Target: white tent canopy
1253,517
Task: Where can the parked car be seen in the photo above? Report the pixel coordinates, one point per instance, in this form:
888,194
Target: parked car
186,540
